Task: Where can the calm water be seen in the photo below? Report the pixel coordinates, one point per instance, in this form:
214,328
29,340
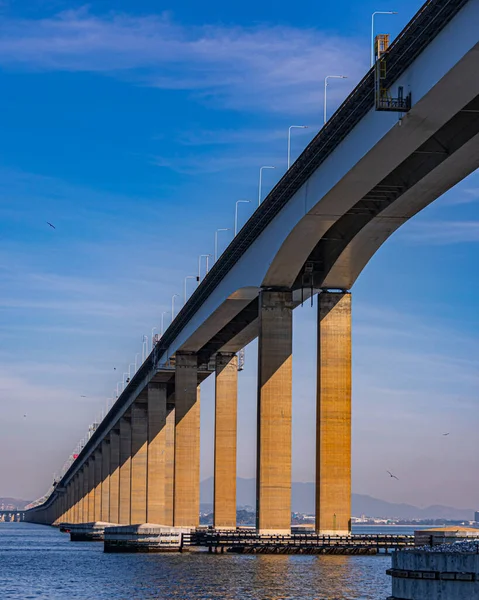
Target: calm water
38,562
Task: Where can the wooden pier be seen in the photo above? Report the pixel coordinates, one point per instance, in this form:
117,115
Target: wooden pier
249,542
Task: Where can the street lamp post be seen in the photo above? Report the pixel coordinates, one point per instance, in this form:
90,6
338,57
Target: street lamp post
377,12
144,348
152,338
236,213
184,289
173,306
162,322
261,181
325,116
216,240
207,256
289,140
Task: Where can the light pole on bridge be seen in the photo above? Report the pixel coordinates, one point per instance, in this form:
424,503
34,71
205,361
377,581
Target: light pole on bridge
162,330
207,256
216,240
289,140
261,181
377,12
184,288
236,213
325,115
173,306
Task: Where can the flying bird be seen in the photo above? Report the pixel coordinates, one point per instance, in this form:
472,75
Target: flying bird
24,416
446,433
82,396
52,226
393,476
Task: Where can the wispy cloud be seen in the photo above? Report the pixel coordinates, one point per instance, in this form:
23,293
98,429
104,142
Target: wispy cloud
269,68
441,233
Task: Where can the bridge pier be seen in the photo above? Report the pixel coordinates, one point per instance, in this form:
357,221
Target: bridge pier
333,415
105,484
155,502
91,488
125,471
170,429
273,473
114,497
76,498
139,455
80,496
68,493
98,484
226,400
187,442
86,503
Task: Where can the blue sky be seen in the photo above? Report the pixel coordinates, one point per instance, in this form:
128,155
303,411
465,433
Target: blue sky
134,127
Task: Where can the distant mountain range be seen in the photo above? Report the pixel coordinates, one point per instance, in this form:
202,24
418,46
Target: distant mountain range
303,502
15,502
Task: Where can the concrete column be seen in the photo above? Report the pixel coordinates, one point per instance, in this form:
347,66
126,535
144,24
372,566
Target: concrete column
69,495
73,500
98,480
70,502
333,414
105,484
187,442
80,496
170,429
125,471
273,479
86,502
114,475
139,456
226,400
76,488
91,488
156,453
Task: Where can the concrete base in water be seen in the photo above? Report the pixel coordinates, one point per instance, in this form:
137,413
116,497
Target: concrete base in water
147,537
88,532
432,575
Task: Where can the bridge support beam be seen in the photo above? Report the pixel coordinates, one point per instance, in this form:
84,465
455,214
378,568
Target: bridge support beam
273,473
69,497
86,501
170,456
76,514
333,415
114,498
91,488
155,508
98,485
125,471
81,496
187,442
226,395
139,454
105,484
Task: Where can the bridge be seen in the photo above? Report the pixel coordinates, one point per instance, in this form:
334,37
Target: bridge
12,515
406,134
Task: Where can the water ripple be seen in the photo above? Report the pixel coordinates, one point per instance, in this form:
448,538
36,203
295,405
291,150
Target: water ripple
38,562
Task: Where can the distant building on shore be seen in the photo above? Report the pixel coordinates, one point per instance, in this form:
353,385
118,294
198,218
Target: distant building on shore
476,516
